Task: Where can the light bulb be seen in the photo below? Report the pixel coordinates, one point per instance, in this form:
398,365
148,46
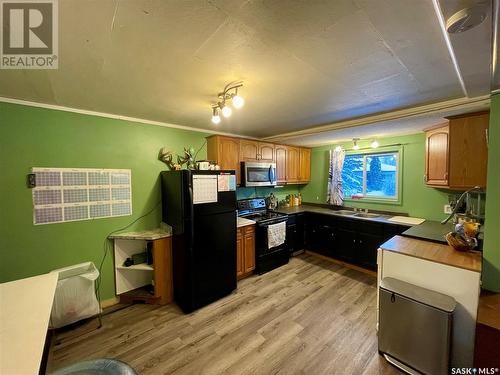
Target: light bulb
216,119
238,101
338,148
374,144
226,111
355,147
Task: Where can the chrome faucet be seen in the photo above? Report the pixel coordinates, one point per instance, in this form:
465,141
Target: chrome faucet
459,202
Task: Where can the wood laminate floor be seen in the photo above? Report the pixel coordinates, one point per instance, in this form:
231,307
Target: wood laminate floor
308,317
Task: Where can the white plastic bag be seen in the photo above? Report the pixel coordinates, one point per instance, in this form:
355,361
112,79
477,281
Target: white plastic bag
75,297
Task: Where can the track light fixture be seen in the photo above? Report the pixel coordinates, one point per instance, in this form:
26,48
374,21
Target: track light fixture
228,96
215,115
355,145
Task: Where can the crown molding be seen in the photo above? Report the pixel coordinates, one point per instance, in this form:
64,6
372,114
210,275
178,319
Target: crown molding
115,117
465,104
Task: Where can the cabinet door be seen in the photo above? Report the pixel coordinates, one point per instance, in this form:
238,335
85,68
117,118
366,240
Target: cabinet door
366,249
281,152
249,239
312,239
266,152
226,152
291,234
436,163
305,165
468,151
300,233
327,240
292,165
345,244
249,150
240,256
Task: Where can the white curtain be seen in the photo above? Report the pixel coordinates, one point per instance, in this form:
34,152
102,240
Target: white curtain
335,193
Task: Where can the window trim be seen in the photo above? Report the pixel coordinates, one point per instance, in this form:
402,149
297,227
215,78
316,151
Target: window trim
399,179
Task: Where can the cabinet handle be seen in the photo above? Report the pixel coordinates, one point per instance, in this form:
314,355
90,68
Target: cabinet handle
487,136
425,177
446,176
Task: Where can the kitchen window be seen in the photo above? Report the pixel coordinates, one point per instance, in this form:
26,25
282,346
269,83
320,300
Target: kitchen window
373,176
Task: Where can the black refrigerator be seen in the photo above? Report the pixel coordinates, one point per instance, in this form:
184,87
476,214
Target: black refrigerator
201,208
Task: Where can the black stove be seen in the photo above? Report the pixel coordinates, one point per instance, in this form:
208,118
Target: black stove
266,258
265,216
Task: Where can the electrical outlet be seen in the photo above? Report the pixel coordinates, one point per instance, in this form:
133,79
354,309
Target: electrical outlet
447,209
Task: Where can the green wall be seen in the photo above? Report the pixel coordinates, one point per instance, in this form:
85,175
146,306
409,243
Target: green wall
491,251
35,137
417,200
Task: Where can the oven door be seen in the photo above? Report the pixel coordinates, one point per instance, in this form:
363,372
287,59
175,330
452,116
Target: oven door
261,243
258,174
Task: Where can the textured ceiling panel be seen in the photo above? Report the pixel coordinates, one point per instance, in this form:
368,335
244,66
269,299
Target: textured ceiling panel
303,63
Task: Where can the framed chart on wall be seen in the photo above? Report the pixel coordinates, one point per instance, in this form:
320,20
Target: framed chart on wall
72,194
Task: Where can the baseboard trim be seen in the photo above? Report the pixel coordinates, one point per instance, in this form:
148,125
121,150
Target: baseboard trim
109,302
344,264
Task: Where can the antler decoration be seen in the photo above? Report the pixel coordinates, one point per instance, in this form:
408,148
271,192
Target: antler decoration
188,158
166,156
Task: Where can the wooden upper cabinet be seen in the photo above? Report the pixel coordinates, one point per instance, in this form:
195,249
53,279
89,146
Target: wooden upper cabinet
457,153
305,165
468,150
436,161
267,152
226,151
292,164
256,151
281,155
249,150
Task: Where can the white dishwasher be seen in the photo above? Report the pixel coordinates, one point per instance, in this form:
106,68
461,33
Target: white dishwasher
415,327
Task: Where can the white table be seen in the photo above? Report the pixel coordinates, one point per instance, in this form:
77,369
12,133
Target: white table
25,307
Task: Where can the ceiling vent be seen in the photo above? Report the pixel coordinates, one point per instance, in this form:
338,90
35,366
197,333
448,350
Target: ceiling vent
467,18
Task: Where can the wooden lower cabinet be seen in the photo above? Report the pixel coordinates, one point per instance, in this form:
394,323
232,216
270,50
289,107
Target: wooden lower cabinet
245,251
135,283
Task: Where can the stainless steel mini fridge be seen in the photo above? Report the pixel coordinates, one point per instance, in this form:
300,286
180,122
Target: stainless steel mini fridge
415,327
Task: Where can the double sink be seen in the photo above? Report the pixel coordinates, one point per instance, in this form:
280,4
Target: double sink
356,214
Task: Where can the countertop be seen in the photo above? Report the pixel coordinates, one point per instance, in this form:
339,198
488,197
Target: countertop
26,306
489,309
148,235
430,230
434,252
382,218
242,222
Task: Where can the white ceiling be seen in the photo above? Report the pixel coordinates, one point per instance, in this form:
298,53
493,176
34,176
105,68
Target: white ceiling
304,63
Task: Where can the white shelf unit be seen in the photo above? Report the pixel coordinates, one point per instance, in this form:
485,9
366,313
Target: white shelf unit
137,267
133,277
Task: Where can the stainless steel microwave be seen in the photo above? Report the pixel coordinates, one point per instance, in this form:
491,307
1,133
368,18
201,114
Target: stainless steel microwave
258,174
